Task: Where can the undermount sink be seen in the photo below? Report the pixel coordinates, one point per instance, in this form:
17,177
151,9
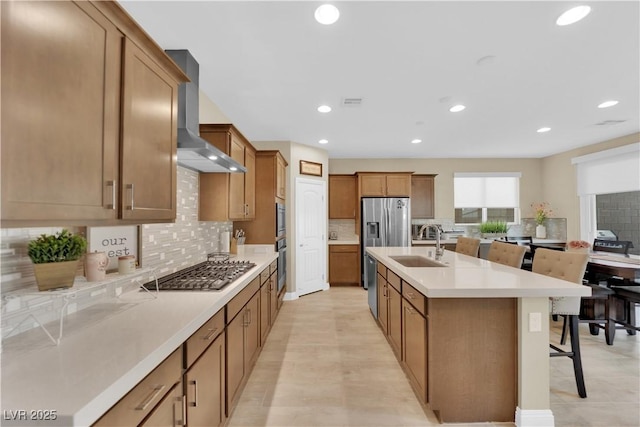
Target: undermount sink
416,261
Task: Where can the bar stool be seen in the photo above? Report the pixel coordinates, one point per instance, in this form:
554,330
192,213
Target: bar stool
506,254
468,246
568,266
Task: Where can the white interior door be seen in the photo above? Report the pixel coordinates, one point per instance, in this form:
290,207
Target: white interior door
311,244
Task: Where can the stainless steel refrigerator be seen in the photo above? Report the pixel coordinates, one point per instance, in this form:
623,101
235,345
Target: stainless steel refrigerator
385,221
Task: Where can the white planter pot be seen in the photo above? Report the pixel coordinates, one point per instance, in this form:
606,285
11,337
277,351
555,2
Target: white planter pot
541,231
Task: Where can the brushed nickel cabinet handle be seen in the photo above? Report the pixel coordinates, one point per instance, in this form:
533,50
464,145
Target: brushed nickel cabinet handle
183,411
131,187
112,184
211,333
154,393
410,310
410,295
194,383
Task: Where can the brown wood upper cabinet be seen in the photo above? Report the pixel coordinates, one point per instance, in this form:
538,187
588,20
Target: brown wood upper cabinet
270,169
343,196
79,143
380,184
422,196
228,196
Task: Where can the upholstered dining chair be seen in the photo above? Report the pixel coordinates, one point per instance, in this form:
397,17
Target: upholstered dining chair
568,266
526,241
507,254
468,246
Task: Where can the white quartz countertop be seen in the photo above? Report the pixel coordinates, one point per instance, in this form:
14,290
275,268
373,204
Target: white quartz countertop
344,242
106,350
482,241
462,276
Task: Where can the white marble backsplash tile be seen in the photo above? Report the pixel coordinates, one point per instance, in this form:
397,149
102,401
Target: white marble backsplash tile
345,229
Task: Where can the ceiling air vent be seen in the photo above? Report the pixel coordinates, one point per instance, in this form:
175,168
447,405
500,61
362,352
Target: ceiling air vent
610,122
351,102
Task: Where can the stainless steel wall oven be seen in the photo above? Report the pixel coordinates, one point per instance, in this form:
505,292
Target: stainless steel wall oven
281,229
281,248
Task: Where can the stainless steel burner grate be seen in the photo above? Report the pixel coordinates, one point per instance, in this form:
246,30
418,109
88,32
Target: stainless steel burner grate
206,276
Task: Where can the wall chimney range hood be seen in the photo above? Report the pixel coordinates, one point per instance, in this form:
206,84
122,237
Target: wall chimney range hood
194,152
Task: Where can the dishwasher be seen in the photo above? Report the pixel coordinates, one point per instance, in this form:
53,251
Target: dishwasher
370,267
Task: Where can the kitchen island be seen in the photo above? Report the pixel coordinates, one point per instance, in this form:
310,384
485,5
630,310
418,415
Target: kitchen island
475,334
107,351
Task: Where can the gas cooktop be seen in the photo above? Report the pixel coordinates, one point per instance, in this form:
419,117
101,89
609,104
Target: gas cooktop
206,276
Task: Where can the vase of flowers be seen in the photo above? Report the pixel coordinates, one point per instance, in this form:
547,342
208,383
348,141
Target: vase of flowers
541,211
578,246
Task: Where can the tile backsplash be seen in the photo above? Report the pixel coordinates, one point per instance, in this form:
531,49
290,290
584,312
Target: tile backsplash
164,249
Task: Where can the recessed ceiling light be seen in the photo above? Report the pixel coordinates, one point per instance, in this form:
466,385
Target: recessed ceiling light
212,157
457,108
607,104
543,130
324,109
416,141
573,15
323,141
327,14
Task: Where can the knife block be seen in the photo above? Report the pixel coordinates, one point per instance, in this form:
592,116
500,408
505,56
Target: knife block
233,248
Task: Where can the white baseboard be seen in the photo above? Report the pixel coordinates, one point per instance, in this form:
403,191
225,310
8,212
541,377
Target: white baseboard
290,296
534,418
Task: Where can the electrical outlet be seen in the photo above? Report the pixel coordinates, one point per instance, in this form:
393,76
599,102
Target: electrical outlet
535,322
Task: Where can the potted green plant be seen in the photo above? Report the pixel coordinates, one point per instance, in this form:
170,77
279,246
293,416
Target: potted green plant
55,258
493,229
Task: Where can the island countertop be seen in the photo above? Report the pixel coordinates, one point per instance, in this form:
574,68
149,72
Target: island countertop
462,276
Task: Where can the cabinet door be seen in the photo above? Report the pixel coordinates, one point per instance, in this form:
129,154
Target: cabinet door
383,304
281,181
250,183
422,196
60,112
373,185
237,206
205,387
394,317
235,357
265,305
344,264
414,347
169,412
149,138
273,295
252,333
398,185
342,196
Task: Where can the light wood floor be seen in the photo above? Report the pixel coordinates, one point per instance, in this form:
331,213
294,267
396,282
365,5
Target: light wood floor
326,363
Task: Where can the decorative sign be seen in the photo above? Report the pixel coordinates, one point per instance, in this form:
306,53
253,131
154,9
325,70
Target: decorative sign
310,168
115,241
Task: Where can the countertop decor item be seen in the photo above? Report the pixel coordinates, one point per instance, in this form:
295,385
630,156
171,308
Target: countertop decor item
541,211
578,246
55,258
493,229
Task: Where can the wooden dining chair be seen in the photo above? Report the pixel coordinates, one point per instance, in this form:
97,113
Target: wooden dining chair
468,246
568,266
506,254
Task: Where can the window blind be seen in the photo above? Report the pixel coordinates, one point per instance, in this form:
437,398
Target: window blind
610,171
487,190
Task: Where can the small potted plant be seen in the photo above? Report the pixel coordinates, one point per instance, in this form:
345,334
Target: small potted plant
55,258
493,229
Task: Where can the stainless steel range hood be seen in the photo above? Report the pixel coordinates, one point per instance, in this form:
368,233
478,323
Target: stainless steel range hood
193,151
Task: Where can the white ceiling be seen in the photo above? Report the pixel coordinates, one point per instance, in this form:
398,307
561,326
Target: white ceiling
268,65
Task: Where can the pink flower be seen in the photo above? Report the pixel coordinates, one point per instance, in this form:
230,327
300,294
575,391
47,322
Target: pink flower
578,244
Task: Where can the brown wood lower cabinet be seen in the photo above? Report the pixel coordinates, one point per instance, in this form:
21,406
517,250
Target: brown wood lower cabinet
414,347
344,265
243,343
460,354
205,387
169,412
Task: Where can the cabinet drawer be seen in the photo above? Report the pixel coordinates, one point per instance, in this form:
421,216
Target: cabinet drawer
144,397
273,267
394,280
382,270
235,305
200,340
343,248
415,297
264,275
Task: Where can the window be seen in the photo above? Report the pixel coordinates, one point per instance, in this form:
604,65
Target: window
480,197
